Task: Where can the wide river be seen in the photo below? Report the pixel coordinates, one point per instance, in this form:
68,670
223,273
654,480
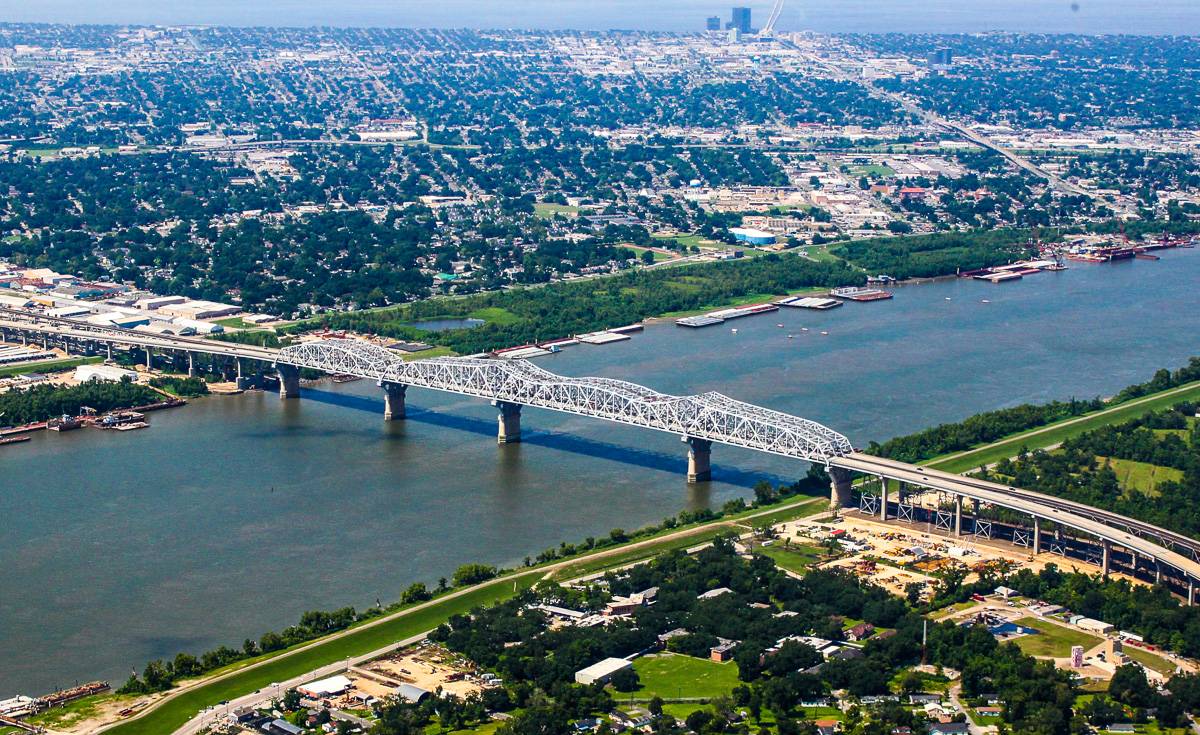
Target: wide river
233,515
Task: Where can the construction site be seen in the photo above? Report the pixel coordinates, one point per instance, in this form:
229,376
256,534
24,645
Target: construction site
897,553
424,667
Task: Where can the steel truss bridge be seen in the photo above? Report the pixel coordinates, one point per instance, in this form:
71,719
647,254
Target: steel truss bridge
701,420
710,417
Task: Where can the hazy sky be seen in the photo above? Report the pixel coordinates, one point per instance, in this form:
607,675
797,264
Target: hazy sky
1050,16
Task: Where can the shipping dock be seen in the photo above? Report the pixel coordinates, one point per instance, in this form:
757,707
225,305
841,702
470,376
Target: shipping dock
724,315
810,302
860,294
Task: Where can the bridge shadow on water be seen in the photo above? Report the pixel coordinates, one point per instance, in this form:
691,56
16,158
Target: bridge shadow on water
560,441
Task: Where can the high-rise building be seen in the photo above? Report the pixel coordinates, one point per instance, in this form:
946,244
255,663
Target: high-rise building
741,19
940,57
714,23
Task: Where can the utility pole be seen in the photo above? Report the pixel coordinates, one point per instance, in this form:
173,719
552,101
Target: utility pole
924,638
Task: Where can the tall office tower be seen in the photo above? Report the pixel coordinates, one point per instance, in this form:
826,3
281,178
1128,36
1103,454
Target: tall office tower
741,19
714,23
940,57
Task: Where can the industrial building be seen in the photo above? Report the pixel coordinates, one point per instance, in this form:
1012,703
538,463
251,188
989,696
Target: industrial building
331,687
84,373
754,237
601,672
199,310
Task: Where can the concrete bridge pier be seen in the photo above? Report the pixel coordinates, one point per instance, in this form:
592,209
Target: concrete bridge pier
1037,537
509,421
149,358
1191,592
393,400
1157,572
883,500
242,381
192,372
289,380
841,493
110,350
699,452
958,503
1106,556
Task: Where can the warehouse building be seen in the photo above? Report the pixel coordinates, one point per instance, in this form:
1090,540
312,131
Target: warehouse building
84,373
601,672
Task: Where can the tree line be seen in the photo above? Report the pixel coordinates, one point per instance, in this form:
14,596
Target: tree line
45,401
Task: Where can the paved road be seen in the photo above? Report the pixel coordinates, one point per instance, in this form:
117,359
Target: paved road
975,729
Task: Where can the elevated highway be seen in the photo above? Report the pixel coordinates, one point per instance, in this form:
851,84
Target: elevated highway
1137,537
700,420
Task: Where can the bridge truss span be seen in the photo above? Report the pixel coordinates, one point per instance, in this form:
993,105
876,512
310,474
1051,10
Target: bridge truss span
709,416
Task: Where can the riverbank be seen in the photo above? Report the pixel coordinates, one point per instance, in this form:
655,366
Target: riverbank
253,467
369,639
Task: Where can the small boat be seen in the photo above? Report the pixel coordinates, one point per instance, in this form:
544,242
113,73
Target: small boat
986,301
947,298
803,329
555,348
824,332
789,336
66,423
735,330
779,325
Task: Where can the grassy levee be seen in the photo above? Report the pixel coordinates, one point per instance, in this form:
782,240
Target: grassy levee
1056,433
246,676
175,712
685,538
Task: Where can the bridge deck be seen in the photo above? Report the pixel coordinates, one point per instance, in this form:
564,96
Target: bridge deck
710,416
1033,504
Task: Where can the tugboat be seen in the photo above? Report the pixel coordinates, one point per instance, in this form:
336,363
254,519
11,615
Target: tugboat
66,423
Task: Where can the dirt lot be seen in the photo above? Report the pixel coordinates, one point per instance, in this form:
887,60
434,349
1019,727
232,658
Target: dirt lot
427,667
894,541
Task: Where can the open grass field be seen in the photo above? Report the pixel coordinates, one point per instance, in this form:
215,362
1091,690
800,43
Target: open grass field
496,315
692,240
486,728
1149,660
871,171
432,352
233,322
672,676
1139,477
658,257
795,559
1055,434
1055,640
820,253
53,366
546,209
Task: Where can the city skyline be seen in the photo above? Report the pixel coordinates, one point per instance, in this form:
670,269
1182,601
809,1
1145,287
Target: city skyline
826,16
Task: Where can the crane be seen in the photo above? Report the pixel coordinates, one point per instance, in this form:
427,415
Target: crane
769,28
